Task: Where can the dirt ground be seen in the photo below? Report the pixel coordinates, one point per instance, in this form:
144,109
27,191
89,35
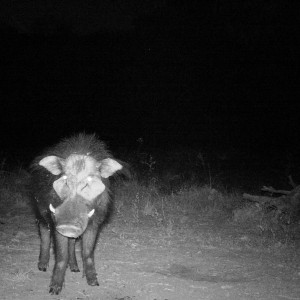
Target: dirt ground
148,261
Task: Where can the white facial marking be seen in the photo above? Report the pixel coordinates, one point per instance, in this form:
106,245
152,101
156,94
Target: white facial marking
90,188
81,177
61,188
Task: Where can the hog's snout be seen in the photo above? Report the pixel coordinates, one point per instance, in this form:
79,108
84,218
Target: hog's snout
70,231
71,219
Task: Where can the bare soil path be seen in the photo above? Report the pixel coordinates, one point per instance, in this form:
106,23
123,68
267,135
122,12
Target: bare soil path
148,261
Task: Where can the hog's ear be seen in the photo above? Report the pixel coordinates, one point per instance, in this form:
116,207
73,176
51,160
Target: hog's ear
52,163
108,167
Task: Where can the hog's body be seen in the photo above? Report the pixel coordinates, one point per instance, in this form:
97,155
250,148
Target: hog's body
71,191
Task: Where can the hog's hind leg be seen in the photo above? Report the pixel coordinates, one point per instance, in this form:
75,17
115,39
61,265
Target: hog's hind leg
72,256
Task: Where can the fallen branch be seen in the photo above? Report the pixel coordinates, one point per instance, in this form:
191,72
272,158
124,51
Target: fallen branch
289,202
259,199
273,191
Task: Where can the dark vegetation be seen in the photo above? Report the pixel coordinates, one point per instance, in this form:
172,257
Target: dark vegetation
185,185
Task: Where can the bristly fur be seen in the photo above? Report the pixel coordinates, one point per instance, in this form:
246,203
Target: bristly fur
82,144
74,208
41,185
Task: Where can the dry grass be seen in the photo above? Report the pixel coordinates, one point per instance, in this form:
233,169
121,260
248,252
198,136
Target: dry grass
196,205
19,276
189,205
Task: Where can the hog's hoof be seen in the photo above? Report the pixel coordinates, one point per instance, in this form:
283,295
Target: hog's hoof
42,266
92,281
55,289
74,269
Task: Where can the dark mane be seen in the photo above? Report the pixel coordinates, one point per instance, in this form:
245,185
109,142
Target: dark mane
85,144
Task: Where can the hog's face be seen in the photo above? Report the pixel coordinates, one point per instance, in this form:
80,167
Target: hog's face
79,185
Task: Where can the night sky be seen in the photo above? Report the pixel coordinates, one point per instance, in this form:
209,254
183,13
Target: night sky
215,74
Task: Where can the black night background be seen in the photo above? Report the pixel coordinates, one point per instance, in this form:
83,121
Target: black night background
213,75
199,101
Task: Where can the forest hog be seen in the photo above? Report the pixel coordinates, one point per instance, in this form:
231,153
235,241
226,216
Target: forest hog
71,192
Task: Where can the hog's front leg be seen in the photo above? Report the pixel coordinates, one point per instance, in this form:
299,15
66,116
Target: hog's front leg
61,263
88,246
